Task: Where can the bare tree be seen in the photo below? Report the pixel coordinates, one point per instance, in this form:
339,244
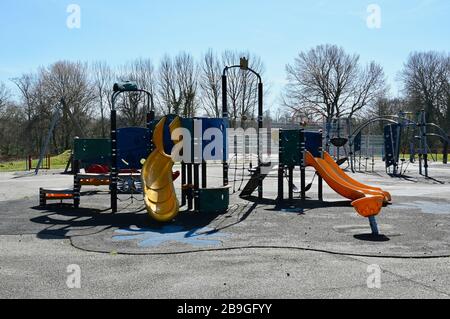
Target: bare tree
327,82
242,86
4,96
69,80
11,120
426,78
142,72
134,106
186,75
26,85
382,107
178,85
210,84
103,76
169,95
388,106
25,124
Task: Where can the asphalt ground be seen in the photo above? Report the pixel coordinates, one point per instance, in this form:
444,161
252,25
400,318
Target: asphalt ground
257,249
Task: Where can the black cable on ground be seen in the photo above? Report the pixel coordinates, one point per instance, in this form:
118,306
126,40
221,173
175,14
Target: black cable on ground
255,247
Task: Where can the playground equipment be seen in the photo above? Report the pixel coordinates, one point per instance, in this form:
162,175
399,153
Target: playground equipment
364,154
112,162
157,176
258,175
417,132
118,89
46,194
367,200
87,153
60,107
335,136
92,160
45,163
293,145
106,161
159,191
300,148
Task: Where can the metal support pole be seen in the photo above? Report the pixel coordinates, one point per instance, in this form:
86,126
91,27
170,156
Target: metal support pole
320,188
373,225
425,144
327,134
320,179
397,146
204,174
190,183
445,152
196,187
183,184
351,148
420,155
280,183
55,119
373,162
260,126
303,182
114,169
225,116
150,119
76,184
302,164
291,183
338,151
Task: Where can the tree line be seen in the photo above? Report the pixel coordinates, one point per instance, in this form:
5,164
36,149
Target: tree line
178,85
324,82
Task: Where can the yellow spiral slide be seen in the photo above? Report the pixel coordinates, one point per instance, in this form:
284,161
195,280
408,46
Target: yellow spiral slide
157,180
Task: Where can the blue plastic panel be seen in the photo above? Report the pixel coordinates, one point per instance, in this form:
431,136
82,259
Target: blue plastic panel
222,126
391,147
313,143
132,145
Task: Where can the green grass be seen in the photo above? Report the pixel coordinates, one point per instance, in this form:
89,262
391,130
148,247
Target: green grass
60,162
56,162
440,157
431,157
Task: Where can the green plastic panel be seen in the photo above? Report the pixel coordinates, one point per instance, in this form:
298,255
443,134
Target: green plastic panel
92,150
214,200
290,147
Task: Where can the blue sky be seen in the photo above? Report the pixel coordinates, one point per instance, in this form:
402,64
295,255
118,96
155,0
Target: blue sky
34,32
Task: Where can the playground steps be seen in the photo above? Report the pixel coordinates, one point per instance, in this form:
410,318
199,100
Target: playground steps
93,179
253,183
46,194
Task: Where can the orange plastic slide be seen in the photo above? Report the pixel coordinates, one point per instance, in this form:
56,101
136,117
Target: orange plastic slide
327,157
367,200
